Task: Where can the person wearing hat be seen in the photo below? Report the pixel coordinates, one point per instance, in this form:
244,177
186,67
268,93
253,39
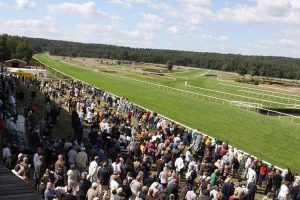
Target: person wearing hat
92,192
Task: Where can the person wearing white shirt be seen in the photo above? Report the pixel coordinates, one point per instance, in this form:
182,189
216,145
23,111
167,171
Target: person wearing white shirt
284,191
113,183
6,154
37,155
188,156
179,164
117,166
78,106
194,164
89,116
93,106
93,170
191,195
247,165
251,175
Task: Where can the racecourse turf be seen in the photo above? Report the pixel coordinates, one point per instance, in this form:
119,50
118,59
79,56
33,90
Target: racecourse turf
276,141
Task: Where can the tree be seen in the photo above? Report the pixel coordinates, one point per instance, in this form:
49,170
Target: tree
23,51
74,54
170,65
242,71
4,52
14,47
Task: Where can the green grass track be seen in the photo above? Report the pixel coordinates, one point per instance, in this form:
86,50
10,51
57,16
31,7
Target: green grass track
268,138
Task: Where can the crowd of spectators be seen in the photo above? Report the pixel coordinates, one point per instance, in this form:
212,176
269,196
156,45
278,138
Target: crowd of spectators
120,151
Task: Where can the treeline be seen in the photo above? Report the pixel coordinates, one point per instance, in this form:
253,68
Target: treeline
14,47
270,66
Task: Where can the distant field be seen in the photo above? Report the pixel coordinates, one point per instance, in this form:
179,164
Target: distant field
274,140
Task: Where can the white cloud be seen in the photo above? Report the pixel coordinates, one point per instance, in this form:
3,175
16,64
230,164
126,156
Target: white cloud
212,38
288,42
129,3
263,11
88,9
150,22
196,2
25,4
106,30
174,30
276,8
140,35
46,27
280,44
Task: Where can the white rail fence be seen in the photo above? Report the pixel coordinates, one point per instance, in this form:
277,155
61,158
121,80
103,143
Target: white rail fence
270,96
237,96
238,86
162,75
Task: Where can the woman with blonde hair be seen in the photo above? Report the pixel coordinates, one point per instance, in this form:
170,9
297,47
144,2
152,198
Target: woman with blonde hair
164,176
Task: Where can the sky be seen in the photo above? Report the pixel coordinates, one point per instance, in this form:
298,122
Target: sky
251,27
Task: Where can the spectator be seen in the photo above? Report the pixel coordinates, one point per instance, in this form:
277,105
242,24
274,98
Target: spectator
49,192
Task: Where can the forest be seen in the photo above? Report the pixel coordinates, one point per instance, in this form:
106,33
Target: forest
14,47
269,66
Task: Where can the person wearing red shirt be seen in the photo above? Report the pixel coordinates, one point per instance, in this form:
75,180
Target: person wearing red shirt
262,174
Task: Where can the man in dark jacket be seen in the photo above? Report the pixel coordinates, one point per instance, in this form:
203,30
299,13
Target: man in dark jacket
227,188
84,186
173,189
277,179
269,183
104,176
252,188
296,191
